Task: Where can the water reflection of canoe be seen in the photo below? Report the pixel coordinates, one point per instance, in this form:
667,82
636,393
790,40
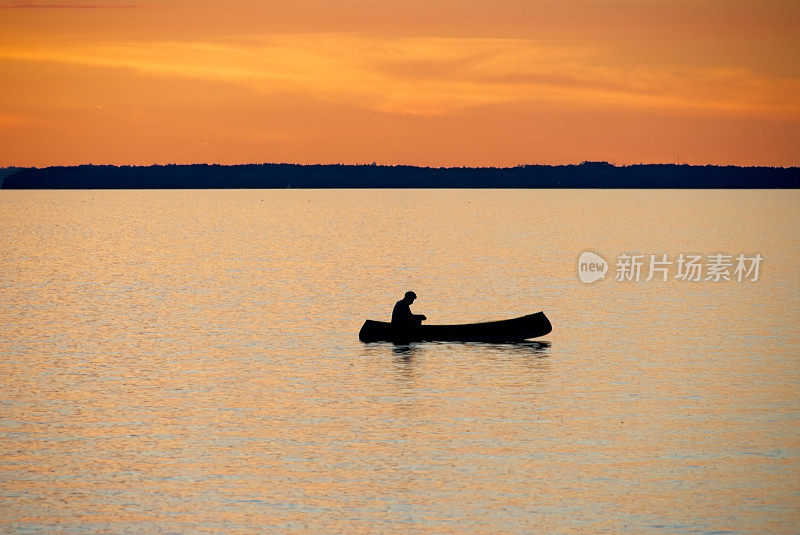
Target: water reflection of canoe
512,330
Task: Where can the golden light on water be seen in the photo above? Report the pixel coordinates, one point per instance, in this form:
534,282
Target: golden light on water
188,361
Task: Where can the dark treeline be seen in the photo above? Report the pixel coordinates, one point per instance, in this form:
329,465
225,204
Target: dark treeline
585,175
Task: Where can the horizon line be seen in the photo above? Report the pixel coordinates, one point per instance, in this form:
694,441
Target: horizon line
375,164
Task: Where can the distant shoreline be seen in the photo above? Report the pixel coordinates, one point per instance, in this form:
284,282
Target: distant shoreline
334,176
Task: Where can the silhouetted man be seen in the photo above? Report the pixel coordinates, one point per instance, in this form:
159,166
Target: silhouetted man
402,316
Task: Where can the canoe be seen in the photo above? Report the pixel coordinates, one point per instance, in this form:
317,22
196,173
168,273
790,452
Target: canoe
511,330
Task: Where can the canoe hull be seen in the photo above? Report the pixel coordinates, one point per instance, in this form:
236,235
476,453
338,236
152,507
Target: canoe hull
511,330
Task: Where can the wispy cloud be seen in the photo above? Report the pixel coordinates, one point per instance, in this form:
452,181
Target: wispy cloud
435,75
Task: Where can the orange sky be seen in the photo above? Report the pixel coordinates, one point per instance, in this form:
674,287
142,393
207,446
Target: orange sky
426,82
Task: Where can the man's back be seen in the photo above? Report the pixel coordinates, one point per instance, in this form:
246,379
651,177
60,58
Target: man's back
401,314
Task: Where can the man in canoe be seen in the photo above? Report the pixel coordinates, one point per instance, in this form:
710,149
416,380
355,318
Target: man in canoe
402,316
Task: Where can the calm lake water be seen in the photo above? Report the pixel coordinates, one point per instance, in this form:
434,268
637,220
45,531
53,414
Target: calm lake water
188,362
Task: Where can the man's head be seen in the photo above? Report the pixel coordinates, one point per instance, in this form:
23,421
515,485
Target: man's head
409,297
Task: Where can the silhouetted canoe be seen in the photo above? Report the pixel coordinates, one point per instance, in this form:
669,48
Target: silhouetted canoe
513,330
